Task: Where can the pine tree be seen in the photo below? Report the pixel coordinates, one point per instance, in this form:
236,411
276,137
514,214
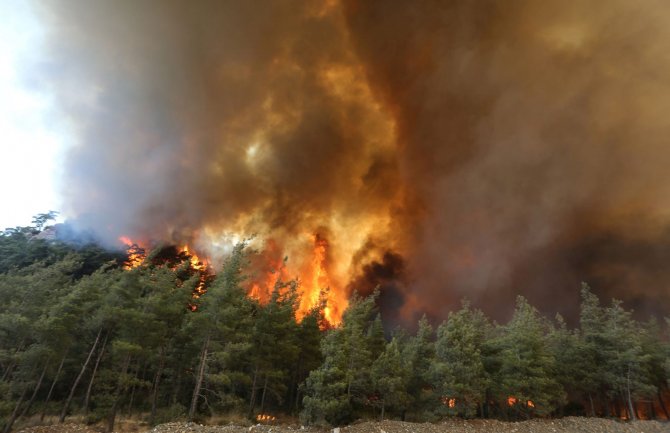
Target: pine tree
526,380
341,385
275,345
309,358
390,377
627,360
419,353
595,350
573,367
222,327
458,372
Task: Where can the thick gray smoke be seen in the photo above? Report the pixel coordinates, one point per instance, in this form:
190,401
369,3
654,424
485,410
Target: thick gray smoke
497,147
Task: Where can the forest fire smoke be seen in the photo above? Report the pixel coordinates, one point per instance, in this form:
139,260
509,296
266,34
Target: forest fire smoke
438,150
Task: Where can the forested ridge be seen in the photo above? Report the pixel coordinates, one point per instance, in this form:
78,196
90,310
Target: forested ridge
81,334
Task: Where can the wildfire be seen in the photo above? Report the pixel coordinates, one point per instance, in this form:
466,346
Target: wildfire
449,402
136,254
511,401
313,277
196,263
275,272
265,417
312,271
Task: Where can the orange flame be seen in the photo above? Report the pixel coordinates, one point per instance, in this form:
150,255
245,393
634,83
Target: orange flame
511,401
275,272
449,401
313,278
136,254
196,262
202,267
265,417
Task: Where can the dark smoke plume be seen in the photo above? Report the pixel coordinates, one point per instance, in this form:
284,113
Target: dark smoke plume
496,147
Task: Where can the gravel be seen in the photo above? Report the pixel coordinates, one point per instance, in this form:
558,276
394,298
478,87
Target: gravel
563,425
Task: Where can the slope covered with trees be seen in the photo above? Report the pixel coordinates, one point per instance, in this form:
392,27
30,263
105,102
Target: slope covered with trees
82,334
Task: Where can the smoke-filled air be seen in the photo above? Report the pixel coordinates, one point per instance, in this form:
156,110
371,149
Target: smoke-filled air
436,149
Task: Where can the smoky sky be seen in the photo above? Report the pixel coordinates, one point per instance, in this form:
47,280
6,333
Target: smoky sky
493,148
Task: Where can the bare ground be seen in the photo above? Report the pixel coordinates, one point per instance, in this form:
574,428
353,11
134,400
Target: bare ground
563,425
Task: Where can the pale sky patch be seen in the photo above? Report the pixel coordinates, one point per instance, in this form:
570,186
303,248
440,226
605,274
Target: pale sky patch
31,150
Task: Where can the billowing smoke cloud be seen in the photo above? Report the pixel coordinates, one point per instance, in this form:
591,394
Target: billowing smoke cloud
492,148
533,139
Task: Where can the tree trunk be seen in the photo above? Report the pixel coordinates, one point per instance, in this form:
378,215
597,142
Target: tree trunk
10,368
631,408
53,385
265,389
618,411
593,409
87,399
660,400
297,398
154,394
252,399
636,408
177,388
606,405
134,388
349,378
199,379
383,407
117,395
79,376
292,402
37,388
10,422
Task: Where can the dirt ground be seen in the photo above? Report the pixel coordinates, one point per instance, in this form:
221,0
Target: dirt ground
563,425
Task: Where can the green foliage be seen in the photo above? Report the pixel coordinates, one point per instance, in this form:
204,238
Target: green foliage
527,365
79,334
390,376
458,373
340,387
419,354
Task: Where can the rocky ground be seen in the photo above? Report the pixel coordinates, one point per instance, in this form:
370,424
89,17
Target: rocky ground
564,425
